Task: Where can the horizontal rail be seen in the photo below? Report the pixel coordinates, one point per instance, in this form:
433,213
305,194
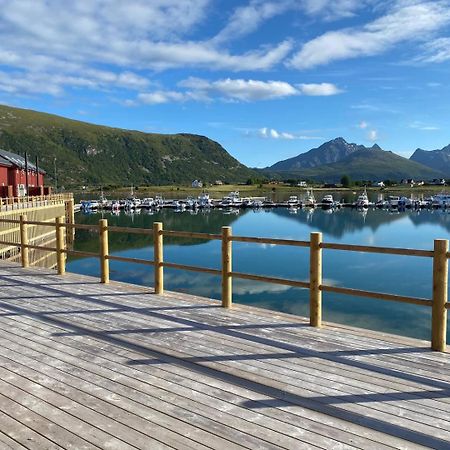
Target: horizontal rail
191,234
40,247
293,283
258,240
377,295
192,268
80,253
38,222
15,244
130,260
130,230
383,250
81,226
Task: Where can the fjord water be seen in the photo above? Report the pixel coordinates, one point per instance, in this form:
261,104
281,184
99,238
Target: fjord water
402,275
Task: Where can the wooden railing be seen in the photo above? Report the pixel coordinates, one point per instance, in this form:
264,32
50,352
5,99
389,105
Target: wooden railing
439,255
14,203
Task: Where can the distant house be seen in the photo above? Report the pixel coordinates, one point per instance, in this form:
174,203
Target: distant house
197,184
218,182
302,184
14,179
409,181
420,183
438,181
379,184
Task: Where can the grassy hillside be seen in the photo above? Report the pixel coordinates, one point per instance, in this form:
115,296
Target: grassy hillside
93,154
369,164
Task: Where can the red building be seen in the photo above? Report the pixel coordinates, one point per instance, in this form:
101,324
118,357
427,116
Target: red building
13,176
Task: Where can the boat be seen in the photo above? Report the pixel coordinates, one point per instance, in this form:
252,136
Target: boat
393,201
159,201
328,201
89,205
204,200
293,201
310,199
103,202
147,202
191,203
232,200
363,200
441,200
115,206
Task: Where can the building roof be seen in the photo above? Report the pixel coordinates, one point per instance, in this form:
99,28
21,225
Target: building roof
10,159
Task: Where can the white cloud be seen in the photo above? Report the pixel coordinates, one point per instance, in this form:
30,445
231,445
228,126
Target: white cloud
229,89
39,39
423,126
239,89
319,89
372,135
363,125
274,134
408,20
436,51
333,9
271,133
159,97
246,19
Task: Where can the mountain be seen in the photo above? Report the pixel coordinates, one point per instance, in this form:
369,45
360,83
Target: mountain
328,153
94,154
356,161
435,159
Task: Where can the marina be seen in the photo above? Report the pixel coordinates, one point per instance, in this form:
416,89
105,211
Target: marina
234,200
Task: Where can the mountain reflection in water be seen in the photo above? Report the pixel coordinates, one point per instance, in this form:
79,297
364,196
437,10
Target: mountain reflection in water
384,273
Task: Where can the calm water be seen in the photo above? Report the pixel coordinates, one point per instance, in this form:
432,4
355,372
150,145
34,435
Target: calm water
385,273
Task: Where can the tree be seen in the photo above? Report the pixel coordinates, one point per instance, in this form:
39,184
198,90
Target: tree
345,181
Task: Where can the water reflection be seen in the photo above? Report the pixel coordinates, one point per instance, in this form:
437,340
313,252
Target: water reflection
393,274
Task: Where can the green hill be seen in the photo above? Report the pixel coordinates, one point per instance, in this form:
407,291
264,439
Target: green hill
93,154
361,163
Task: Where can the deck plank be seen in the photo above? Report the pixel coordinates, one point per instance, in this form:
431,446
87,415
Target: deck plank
92,364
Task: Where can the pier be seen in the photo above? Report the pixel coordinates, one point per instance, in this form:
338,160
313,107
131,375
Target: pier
88,365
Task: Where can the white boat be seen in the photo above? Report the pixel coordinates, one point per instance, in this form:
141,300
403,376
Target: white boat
134,202
103,202
159,201
191,203
363,200
148,202
441,200
115,205
232,200
393,201
310,199
293,200
328,200
204,200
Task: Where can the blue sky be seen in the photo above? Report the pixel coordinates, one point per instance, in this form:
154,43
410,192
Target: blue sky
268,79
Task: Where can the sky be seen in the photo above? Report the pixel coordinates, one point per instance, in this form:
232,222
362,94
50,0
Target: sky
267,79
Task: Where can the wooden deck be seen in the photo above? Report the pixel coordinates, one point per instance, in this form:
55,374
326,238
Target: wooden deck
85,365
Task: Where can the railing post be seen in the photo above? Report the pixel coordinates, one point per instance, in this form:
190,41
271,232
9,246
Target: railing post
24,241
227,281
104,250
315,280
60,256
440,286
158,257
